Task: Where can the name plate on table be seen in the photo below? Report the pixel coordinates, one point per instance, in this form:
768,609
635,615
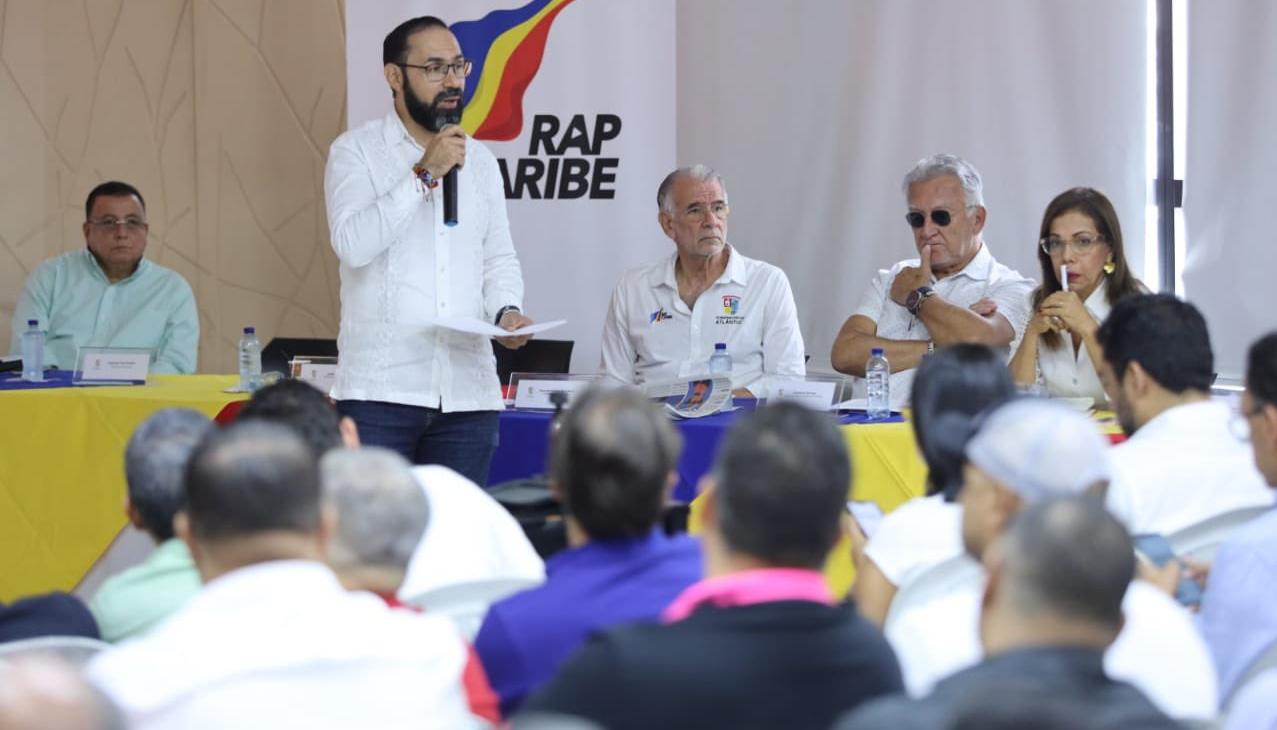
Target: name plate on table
320,372
535,390
112,366
816,392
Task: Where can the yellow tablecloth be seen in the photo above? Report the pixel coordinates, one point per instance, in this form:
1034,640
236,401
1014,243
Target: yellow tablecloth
885,468
62,472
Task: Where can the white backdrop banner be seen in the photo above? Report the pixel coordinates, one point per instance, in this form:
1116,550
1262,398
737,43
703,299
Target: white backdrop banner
1228,174
576,100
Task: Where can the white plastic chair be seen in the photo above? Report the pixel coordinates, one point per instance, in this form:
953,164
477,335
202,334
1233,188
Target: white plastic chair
1202,540
77,650
467,603
934,582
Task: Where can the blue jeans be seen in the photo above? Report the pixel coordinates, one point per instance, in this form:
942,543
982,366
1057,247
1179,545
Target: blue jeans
462,441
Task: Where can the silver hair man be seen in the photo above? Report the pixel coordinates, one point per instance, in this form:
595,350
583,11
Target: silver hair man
696,172
155,467
930,168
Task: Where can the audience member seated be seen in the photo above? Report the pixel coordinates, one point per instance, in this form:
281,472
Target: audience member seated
952,387
45,693
381,514
760,642
611,465
51,614
1026,451
1238,616
108,295
1051,607
472,537
273,638
1182,464
137,599
1080,231
954,292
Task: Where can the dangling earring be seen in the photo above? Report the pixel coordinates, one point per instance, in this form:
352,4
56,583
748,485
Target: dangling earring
1109,267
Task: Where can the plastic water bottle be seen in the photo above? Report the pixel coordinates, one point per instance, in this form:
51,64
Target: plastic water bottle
720,363
878,382
250,360
33,352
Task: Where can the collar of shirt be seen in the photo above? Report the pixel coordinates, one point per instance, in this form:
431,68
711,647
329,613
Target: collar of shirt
750,587
735,271
1098,303
394,132
1199,417
605,552
979,268
95,269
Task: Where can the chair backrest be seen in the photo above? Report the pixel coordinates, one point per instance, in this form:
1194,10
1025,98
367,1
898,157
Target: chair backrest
77,650
1202,540
537,356
1265,661
467,603
277,353
934,582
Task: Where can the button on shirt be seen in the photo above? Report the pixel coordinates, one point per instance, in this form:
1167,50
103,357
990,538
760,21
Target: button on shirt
1066,374
77,306
982,278
401,266
651,335
1180,468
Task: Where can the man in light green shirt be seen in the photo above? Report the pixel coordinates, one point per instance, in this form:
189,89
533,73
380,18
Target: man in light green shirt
108,295
133,602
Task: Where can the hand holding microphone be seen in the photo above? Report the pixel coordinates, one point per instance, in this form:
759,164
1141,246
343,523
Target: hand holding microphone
444,155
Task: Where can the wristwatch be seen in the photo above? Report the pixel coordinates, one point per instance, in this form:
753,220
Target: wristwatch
501,312
916,297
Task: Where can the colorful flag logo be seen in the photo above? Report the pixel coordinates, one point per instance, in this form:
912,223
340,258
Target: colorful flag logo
731,303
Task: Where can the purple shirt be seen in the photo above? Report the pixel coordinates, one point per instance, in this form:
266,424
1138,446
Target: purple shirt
525,638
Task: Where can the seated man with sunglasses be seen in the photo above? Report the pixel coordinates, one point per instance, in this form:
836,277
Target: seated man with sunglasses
108,295
955,292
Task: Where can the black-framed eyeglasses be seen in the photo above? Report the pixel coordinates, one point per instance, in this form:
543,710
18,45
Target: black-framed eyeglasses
437,71
939,216
1082,243
110,223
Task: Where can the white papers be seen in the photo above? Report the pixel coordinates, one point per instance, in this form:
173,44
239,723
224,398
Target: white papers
867,514
853,404
815,394
479,327
692,398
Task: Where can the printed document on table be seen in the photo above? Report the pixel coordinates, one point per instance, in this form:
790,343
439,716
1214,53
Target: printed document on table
479,327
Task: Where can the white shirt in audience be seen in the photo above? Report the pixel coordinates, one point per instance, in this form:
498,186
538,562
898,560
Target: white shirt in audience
918,534
282,644
1159,650
1182,467
470,537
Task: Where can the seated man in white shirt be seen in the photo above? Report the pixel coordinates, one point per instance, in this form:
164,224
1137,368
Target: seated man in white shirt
1182,463
665,318
273,638
1025,452
954,292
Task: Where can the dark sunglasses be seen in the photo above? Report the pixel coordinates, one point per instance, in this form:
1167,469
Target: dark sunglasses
940,217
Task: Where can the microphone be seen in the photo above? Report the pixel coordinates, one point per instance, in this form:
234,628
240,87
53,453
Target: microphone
450,184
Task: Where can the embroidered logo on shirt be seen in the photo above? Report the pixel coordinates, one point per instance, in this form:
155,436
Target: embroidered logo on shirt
660,315
731,303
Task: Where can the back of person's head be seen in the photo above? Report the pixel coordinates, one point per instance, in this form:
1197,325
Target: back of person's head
611,462
1038,449
1165,335
300,407
1261,370
155,466
782,478
1066,559
381,510
252,478
953,386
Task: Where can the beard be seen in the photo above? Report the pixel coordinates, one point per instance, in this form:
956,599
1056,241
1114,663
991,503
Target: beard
430,115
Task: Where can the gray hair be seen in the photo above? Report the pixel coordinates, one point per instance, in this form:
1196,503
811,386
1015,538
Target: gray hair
930,168
382,511
155,465
698,172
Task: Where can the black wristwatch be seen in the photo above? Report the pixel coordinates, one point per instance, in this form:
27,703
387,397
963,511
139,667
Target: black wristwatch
914,301
501,313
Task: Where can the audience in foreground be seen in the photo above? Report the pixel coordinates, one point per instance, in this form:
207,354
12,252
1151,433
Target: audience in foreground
46,693
1051,607
1238,616
611,465
951,388
273,638
1182,463
760,642
137,599
48,614
1025,452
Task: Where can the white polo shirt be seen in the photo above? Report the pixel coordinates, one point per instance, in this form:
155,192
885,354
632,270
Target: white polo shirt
1067,374
982,278
920,533
652,335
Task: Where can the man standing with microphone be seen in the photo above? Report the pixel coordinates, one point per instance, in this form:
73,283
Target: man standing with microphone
428,392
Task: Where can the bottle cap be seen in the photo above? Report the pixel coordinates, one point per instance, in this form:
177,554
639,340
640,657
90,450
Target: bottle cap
250,330
33,323
876,352
720,346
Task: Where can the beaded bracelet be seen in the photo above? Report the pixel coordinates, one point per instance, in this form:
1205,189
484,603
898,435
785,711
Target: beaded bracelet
424,176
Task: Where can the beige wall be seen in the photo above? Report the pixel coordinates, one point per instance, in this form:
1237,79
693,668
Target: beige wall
220,111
